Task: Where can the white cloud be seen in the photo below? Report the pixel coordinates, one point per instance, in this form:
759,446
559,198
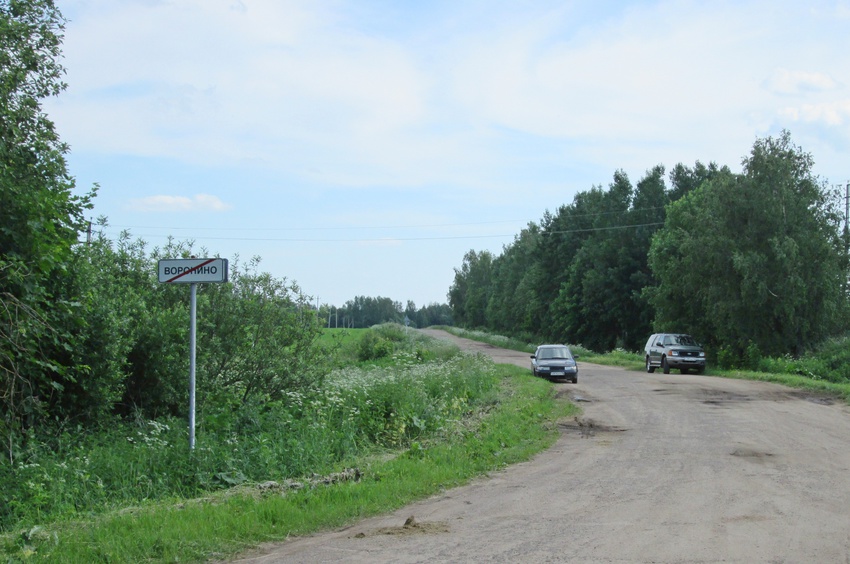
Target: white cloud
199,202
204,83
294,86
648,84
785,81
827,113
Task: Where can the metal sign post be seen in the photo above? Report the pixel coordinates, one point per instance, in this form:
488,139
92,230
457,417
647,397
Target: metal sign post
192,271
193,308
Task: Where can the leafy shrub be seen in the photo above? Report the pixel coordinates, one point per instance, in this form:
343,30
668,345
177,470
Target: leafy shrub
830,361
752,356
373,346
307,431
780,365
727,357
834,356
392,332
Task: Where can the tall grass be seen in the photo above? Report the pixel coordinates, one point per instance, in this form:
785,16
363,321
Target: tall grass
360,410
512,343
501,341
473,417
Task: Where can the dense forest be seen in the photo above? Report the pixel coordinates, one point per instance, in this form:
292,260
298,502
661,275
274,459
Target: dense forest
751,263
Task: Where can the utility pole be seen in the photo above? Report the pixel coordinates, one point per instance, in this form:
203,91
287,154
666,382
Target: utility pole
847,219
846,209
847,236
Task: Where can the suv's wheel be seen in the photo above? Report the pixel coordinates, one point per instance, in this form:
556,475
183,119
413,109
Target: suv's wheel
649,367
665,368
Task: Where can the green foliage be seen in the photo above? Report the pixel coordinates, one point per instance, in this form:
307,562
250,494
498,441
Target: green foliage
304,432
428,315
362,312
752,264
381,344
40,218
516,424
829,361
514,304
596,305
365,311
258,335
257,342
373,346
753,259
575,278
470,291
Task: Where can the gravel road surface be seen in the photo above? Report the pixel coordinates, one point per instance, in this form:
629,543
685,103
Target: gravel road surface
659,468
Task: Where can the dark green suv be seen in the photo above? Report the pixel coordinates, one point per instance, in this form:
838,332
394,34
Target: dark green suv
674,350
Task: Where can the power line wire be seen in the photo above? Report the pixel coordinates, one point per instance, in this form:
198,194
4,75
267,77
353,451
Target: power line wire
343,228
402,239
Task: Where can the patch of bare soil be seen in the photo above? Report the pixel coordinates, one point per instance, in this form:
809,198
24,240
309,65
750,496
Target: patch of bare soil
410,527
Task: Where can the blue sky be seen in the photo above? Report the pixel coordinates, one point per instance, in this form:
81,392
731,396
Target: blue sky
362,147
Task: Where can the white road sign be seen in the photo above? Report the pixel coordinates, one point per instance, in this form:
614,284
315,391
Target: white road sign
192,271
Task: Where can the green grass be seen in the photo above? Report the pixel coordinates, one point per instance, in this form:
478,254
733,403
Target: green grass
517,345
517,422
496,340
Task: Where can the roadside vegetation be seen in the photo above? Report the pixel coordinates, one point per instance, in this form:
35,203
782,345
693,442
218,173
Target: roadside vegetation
400,417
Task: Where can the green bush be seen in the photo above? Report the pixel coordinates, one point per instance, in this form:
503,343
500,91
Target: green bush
134,461
752,356
727,357
835,357
373,346
392,332
830,362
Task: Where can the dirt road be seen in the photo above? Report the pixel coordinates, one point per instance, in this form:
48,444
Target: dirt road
660,468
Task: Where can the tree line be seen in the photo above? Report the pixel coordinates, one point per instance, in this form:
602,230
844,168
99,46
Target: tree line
749,263
365,311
